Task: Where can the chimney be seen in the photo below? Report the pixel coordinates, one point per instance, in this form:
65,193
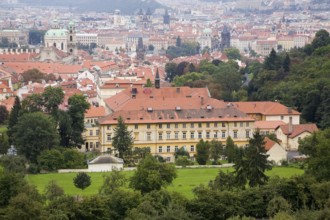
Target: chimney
290,125
178,90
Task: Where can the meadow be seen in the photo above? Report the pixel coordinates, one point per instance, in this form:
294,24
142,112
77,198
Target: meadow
186,180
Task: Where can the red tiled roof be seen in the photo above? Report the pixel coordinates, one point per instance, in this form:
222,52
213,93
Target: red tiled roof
95,112
268,124
265,108
298,129
268,143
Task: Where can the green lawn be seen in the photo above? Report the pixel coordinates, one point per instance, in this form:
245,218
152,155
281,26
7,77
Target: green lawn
187,179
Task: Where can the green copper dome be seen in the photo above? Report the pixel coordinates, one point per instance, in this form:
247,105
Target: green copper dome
57,33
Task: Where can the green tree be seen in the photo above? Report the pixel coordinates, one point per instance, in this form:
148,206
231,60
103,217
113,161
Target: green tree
232,53
3,114
51,160
254,163
82,181
223,181
13,118
181,152
52,97
231,150
152,175
183,161
170,70
10,184
122,140
77,107
53,191
276,205
321,39
216,150
148,83
112,182
4,143
271,62
178,42
317,148
202,152
286,63
64,128
14,164
34,133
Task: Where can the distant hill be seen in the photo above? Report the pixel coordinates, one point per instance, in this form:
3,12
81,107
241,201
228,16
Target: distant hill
125,6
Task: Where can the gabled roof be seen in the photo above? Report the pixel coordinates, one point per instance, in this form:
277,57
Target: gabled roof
269,143
265,108
297,129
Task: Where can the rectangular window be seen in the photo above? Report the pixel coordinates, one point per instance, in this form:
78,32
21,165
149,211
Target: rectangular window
108,137
223,124
192,135
215,134
223,134
108,127
148,126
90,132
176,135
200,135
184,125
160,136
235,124
247,124
282,117
235,134
176,125
136,126
176,148
192,148
160,126
241,124
168,125
192,125
168,135
160,149
168,159
247,133
168,149
215,124
97,132
199,125
207,134
184,135
97,144
207,124
148,136
91,144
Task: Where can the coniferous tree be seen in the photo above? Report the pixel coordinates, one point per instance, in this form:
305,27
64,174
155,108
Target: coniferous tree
202,149
122,140
286,63
13,118
253,164
3,114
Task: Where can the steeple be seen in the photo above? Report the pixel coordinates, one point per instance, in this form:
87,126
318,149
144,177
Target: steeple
140,49
157,80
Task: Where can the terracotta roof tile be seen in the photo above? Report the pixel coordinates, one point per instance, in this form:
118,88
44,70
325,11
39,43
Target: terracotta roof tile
268,143
298,129
265,108
268,124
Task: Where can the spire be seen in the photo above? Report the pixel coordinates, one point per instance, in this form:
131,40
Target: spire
157,80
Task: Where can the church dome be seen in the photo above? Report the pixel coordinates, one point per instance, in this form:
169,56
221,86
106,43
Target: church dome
56,33
207,31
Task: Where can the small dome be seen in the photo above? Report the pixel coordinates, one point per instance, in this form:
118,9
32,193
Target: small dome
57,33
207,31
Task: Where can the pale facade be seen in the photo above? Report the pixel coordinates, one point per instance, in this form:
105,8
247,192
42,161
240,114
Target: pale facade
277,154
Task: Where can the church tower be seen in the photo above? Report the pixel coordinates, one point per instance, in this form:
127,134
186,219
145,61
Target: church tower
140,51
72,42
225,39
157,80
166,18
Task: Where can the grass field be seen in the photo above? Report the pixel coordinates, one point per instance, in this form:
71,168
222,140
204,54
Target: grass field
186,180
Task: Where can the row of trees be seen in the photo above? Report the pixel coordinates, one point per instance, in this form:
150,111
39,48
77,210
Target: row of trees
37,124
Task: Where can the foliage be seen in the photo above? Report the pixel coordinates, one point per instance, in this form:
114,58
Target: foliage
5,43
77,107
181,152
252,165
183,49
53,191
82,181
112,182
232,53
4,143
152,175
224,181
33,133
3,114
202,152
13,118
148,83
51,160
277,204
10,184
34,75
183,161
36,36
122,140
13,164
232,152
317,148
216,150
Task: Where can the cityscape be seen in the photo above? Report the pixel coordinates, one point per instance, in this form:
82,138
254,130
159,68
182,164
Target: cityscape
199,109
